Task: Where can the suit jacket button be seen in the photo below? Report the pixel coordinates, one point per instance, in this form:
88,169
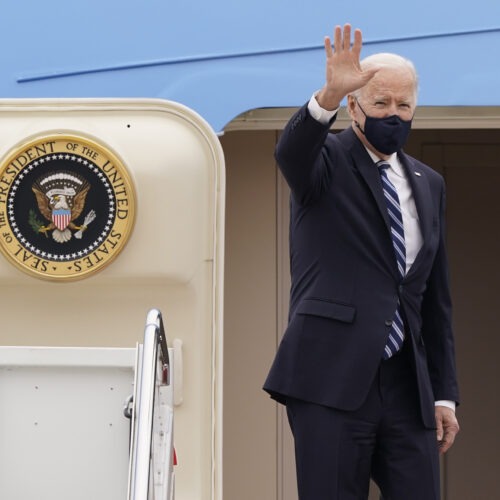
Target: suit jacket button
388,322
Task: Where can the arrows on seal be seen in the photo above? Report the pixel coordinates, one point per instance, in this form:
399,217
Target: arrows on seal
88,219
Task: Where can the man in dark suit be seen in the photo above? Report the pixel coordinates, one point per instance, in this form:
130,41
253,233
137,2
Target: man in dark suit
366,366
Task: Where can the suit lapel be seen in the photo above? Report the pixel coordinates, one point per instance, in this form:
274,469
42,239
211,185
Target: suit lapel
371,176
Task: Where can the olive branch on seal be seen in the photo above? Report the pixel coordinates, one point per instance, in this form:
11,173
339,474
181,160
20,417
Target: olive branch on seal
34,221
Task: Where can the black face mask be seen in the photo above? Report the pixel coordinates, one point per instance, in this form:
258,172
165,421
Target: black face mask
386,135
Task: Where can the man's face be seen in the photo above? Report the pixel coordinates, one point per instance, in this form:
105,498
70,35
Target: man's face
390,92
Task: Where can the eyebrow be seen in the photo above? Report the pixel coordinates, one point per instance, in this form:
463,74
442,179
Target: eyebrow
405,100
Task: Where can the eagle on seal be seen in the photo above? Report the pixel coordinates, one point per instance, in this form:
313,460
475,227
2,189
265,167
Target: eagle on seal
61,199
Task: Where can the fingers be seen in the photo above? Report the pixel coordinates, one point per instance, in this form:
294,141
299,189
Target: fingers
337,38
358,42
439,429
328,47
448,439
342,40
446,428
347,36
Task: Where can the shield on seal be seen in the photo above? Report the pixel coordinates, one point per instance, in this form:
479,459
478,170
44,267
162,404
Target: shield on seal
61,218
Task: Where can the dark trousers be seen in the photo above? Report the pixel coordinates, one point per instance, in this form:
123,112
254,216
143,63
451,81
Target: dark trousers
337,452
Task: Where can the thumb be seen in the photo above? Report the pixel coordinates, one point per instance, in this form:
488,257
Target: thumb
439,428
369,73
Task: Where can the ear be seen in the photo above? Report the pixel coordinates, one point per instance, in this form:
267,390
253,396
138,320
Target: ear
351,106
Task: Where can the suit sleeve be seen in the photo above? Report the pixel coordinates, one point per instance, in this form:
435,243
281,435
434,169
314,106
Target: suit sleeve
301,155
437,330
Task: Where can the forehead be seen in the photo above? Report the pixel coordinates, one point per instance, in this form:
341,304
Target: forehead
391,82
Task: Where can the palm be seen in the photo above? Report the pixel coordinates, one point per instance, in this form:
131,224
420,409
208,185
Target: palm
343,72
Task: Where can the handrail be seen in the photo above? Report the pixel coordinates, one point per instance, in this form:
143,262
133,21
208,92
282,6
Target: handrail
153,371
155,317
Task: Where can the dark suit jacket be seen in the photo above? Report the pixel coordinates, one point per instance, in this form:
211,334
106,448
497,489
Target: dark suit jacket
345,284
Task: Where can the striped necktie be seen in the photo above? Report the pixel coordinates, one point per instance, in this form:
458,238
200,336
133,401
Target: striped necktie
396,335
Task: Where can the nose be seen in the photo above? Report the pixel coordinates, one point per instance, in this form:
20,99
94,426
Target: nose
392,109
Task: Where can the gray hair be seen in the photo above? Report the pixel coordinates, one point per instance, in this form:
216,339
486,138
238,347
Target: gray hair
389,60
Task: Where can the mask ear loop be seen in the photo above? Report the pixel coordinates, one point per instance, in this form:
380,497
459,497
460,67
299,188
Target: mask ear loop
359,105
363,111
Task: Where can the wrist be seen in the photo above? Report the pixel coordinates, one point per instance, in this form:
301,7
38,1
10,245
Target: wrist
321,115
448,404
328,99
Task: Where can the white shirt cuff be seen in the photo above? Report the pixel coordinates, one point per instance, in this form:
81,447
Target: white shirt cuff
318,113
448,404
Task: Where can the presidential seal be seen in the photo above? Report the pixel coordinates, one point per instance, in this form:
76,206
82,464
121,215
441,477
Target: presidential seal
67,206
